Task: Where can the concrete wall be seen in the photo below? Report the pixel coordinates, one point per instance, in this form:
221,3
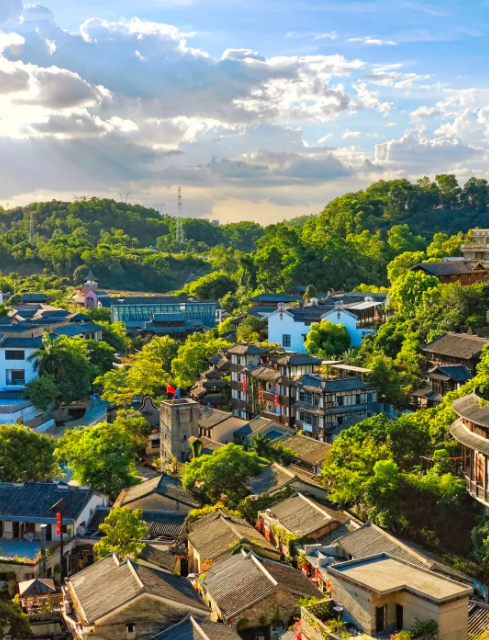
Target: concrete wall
5,365
179,420
283,323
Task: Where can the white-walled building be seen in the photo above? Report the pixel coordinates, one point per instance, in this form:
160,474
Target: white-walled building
16,370
289,327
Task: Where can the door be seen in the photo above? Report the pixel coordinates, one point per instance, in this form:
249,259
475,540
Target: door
399,616
379,619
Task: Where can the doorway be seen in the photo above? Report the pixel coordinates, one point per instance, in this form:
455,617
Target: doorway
399,616
380,619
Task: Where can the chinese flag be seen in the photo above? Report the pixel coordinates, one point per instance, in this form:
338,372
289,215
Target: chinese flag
170,389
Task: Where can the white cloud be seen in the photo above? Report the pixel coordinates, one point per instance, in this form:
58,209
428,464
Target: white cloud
373,41
351,134
311,35
425,112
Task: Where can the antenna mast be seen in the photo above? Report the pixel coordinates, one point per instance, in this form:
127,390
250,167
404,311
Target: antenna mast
180,234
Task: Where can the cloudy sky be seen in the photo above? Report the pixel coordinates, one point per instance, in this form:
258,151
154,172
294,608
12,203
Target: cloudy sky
258,109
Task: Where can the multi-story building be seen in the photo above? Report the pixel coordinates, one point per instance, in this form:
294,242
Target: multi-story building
478,249
471,430
322,405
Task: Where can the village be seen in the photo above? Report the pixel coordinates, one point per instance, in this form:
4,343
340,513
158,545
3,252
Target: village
228,520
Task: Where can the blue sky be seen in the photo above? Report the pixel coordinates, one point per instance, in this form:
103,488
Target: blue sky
258,109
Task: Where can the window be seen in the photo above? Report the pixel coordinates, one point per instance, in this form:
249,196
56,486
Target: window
131,627
14,355
15,377
286,341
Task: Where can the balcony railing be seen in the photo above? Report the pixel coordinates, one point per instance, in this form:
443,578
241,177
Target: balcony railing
477,490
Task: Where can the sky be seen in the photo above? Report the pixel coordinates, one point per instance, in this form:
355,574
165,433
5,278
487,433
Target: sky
258,109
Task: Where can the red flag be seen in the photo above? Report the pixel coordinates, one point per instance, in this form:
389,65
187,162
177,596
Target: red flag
170,389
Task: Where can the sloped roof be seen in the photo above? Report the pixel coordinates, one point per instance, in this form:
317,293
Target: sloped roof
36,587
317,383
308,449
245,349
303,516
160,523
275,476
35,500
267,427
472,408
241,580
76,329
160,556
276,297
455,372
191,628
108,584
297,359
266,373
213,534
162,485
208,445
34,297
457,345
461,434
451,268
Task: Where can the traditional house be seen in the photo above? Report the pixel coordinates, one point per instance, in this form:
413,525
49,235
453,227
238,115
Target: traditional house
191,628
206,445
162,493
243,356
455,349
24,508
212,388
471,430
466,272
273,299
273,430
381,594
309,453
298,518
440,381
217,425
275,478
217,535
322,404
114,600
254,594
478,248
162,525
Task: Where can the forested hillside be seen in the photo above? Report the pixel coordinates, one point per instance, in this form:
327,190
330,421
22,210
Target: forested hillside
349,243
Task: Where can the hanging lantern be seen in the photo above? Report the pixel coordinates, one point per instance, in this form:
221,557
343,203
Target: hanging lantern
276,396
259,393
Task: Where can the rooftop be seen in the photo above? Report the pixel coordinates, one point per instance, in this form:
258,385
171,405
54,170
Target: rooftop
243,579
302,516
270,428
452,268
109,584
308,449
383,574
191,628
276,297
455,372
457,345
160,485
473,409
161,524
298,359
275,476
210,417
34,501
213,535
208,445
245,349
468,438
323,385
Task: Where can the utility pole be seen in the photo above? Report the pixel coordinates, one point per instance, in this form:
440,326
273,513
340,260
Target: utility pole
180,233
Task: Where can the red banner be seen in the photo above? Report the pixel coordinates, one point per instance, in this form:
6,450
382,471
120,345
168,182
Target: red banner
259,393
276,396
244,383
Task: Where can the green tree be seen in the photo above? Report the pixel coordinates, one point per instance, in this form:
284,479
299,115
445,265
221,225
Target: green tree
193,357
25,455
42,391
310,292
407,291
13,623
403,263
249,329
443,246
100,355
326,339
66,361
211,287
124,532
102,457
224,472
449,190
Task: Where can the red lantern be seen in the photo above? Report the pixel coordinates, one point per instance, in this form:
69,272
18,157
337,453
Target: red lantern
244,383
276,396
259,393
59,524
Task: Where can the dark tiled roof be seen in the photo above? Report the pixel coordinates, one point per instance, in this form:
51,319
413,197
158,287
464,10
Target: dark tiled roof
302,516
160,523
77,329
208,445
331,386
272,477
308,314
455,372
452,268
35,499
209,417
478,619
457,345
163,558
108,584
298,359
195,629
213,535
331,537
36,587
34,297
472,408
267,427
308,449
245,349
461,434
162,485
266,373
276,297
20,343
260,312
243,579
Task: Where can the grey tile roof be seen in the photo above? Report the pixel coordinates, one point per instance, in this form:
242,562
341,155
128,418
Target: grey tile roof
461,434
276,297
298,359
161,485
452,268
77,329
331,537
108,584
191,628
245,349
36,587
455,372
271,478
266,373
35,499
163,558
160,523
214,534
302,516
34,297
308,449
20,343
239,581
457,345
473,409
315,383
370,540
265,426
208,445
